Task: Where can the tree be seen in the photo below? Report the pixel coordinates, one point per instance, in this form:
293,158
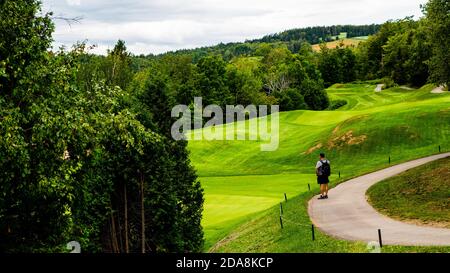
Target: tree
211,81
337,65
27,75
329,66
437,14
406,54
117,66
177,225
290,99
78,164
315,97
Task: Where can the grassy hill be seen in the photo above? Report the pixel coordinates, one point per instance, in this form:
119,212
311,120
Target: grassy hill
420,195
243,185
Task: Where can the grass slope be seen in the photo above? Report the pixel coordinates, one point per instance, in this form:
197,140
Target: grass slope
241,182
421,195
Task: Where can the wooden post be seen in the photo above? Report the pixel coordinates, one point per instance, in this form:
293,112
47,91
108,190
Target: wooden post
309,187
281,216
379,238
312,232
439,148
285,197
339,174
389,159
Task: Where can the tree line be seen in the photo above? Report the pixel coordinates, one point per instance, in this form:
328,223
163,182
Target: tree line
293,39
85,146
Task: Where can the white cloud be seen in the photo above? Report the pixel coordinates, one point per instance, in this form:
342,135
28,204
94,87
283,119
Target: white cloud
73,2
160,25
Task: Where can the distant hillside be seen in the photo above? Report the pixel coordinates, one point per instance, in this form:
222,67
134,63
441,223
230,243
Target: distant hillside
316,35
291,38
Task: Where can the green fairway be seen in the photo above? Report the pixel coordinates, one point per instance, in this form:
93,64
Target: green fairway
421,195
241,182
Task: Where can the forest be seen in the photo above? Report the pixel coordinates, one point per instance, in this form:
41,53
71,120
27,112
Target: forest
85,146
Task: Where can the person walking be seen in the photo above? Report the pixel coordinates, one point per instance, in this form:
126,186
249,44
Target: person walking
323,172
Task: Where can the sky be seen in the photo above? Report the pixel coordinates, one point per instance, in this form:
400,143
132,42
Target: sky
158,26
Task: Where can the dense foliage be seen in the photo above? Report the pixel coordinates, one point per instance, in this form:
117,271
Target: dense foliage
438,27
85,146
77,161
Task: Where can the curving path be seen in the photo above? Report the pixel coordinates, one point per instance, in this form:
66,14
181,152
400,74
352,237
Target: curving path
348,215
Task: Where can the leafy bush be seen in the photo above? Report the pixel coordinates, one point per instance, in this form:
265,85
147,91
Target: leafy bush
388,83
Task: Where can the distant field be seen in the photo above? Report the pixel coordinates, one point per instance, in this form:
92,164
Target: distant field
420,195
241,183
351,42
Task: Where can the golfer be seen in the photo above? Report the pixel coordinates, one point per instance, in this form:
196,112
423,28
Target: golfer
323,171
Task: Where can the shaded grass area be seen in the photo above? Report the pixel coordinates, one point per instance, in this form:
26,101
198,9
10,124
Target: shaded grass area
421,195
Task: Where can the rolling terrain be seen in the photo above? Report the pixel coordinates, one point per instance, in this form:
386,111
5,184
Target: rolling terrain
244,185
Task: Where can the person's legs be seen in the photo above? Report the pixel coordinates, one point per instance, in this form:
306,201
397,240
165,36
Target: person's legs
322,189
326,189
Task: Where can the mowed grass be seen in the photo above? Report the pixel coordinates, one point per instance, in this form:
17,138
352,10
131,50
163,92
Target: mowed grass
420,195
263,235
232,200
242,183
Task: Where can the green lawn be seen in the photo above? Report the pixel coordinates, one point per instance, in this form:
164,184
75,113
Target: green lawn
421,195
263,234
242,183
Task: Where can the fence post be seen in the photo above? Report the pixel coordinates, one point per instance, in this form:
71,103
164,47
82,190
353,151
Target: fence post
379,238
285,197
281,209
281,222
312,232
389,159
339,174
439,148
309,187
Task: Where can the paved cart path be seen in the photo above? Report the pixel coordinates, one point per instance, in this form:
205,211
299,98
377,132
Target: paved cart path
348,215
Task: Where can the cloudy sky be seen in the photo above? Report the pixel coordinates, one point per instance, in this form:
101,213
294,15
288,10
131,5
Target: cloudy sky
156,26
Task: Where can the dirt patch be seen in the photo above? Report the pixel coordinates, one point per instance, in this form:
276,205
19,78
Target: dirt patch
338,141
336,129
379,87
346,139
438,90
312,149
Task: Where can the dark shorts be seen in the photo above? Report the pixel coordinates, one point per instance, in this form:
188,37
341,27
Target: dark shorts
322,179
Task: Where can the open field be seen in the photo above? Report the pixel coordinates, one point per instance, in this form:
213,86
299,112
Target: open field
243,184
348,42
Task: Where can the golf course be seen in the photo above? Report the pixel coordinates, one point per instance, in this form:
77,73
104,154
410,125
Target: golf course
243,185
